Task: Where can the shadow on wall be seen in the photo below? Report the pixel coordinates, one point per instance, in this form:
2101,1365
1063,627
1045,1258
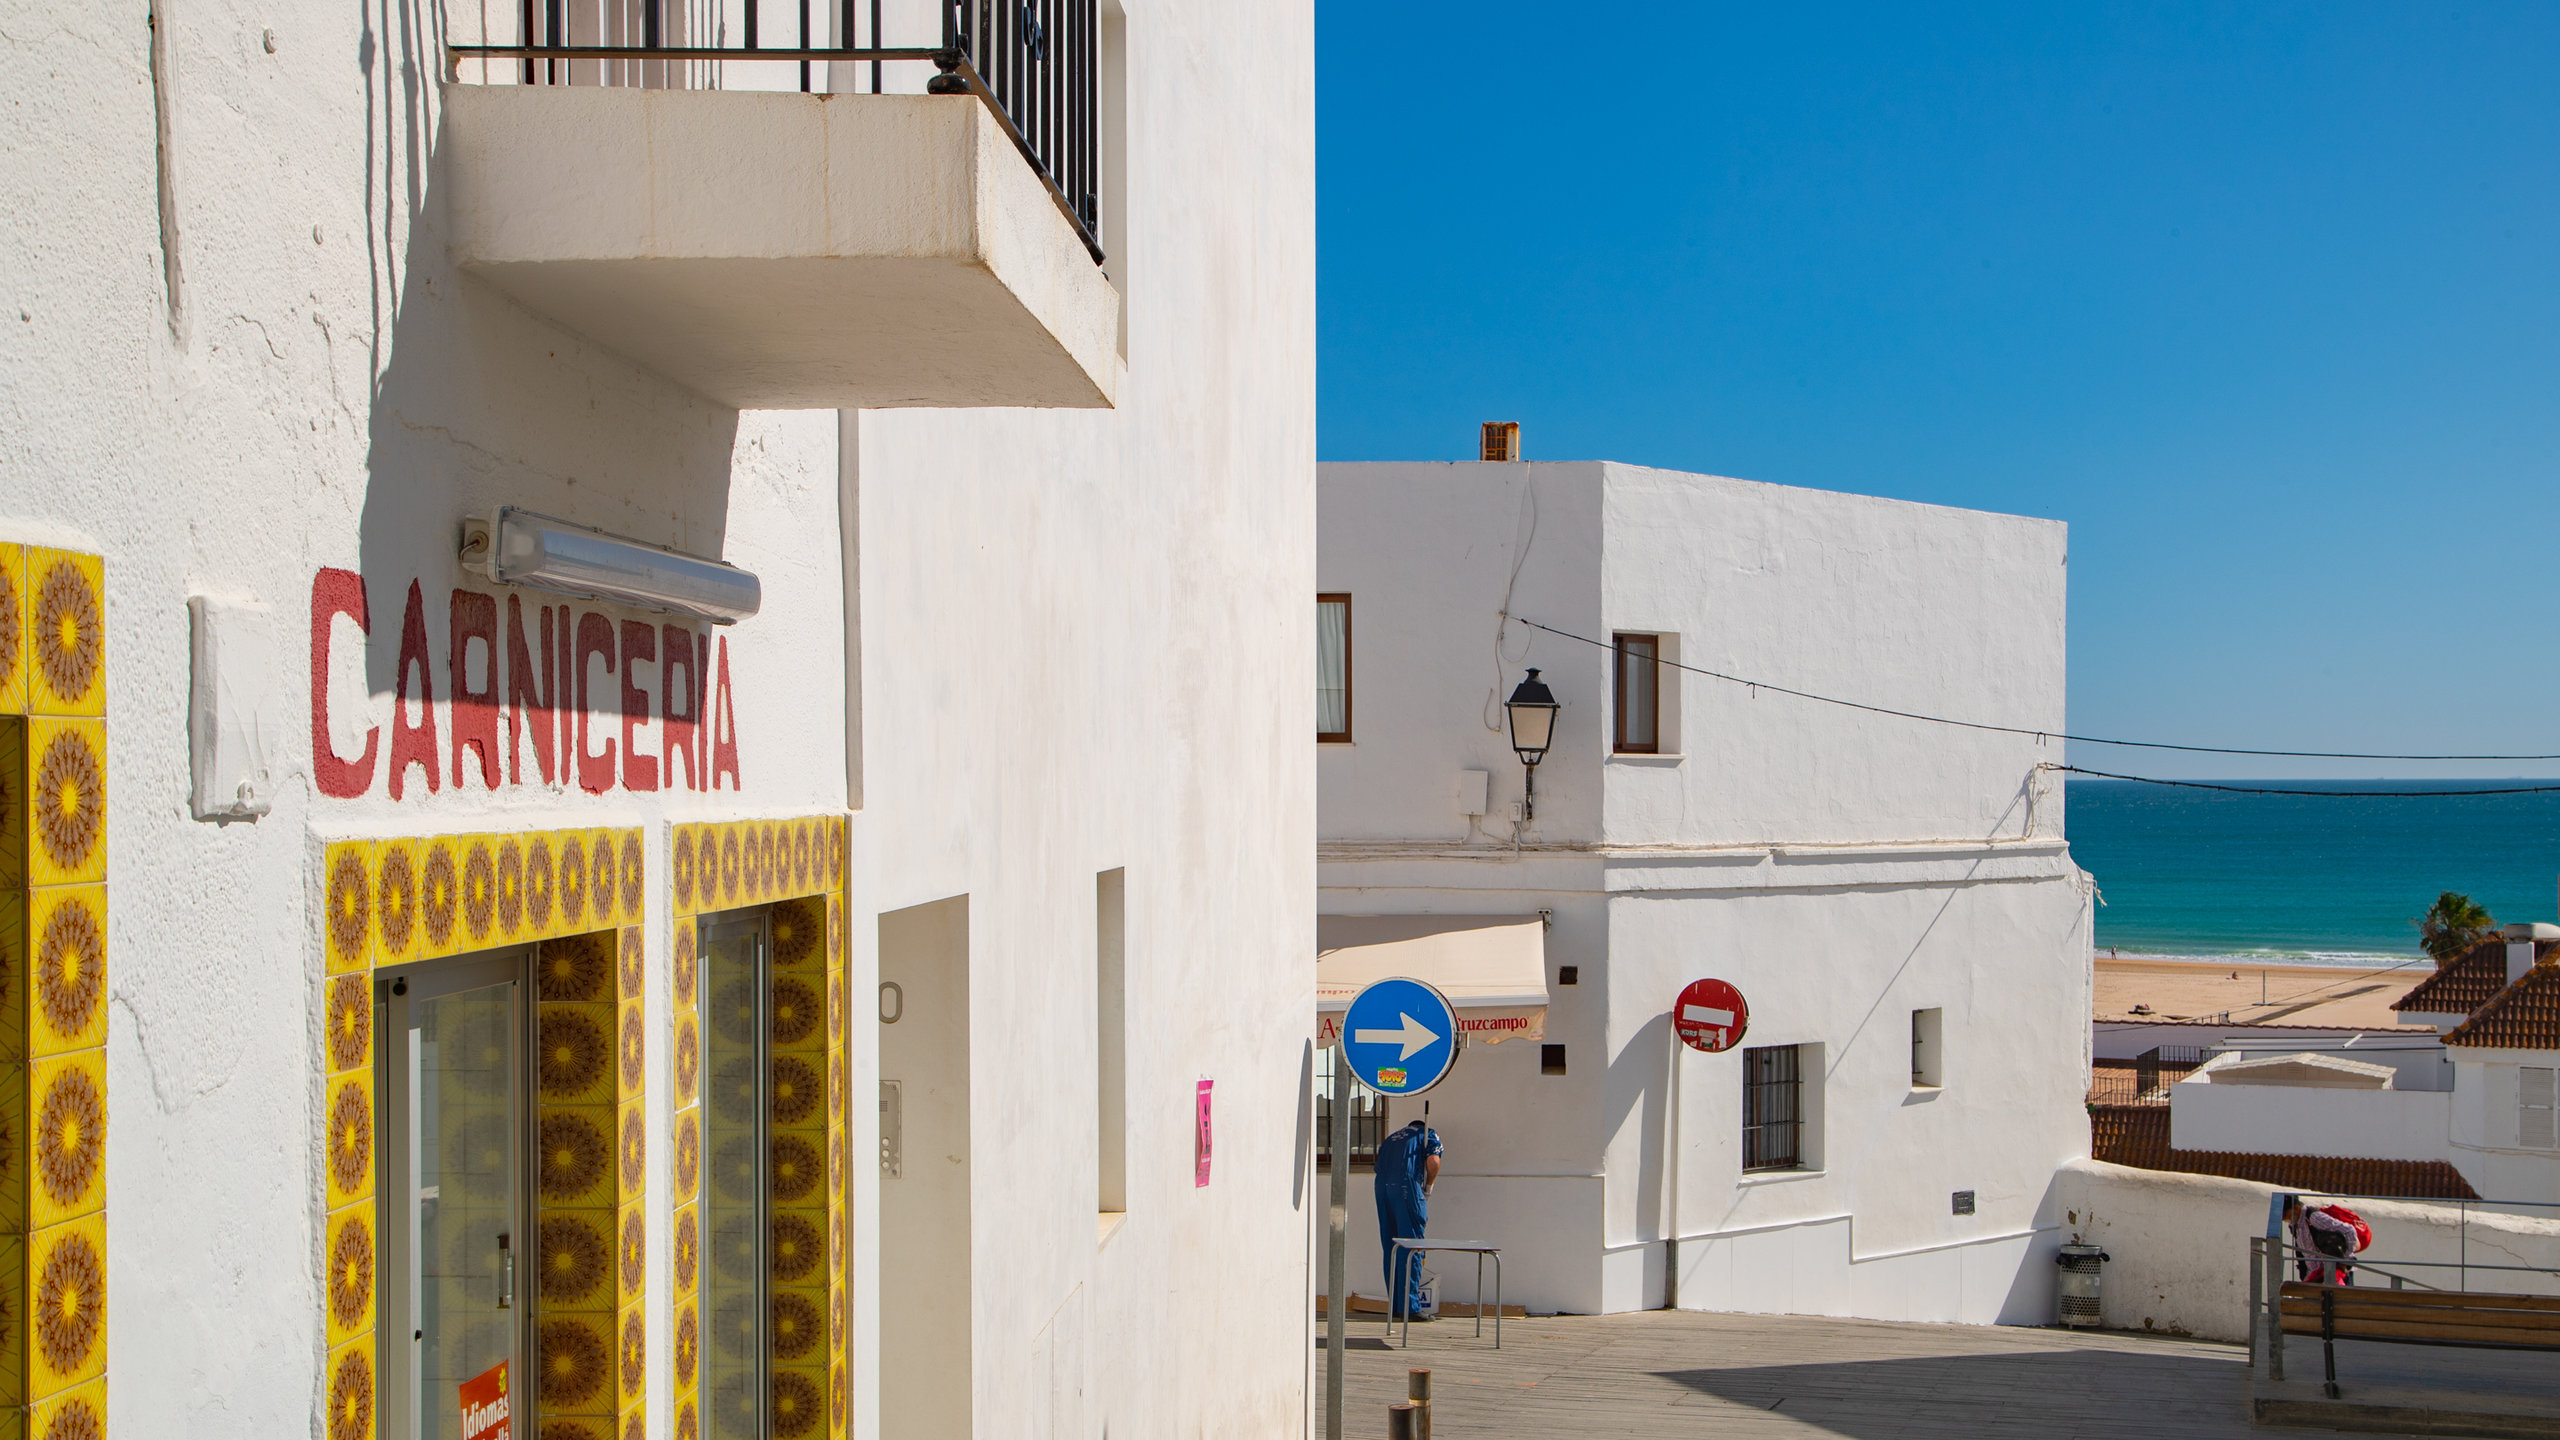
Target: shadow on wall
2062,1391
476,402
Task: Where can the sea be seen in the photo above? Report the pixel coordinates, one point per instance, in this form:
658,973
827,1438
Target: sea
2306,880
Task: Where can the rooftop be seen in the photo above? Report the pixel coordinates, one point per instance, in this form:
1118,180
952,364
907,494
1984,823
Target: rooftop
2471,981
2138,1135
2524,1016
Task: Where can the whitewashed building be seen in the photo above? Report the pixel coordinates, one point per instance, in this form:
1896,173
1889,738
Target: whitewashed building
1894,898
2474,1095
454,945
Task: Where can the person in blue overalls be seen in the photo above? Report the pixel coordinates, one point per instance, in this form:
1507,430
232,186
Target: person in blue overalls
1408,1166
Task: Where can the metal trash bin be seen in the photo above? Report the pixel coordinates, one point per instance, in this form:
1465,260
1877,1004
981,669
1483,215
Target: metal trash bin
2079,1283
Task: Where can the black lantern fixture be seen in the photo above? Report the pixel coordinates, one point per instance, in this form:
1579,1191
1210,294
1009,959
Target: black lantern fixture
1533,726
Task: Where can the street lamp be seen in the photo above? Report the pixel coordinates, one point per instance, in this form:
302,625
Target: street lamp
1533,725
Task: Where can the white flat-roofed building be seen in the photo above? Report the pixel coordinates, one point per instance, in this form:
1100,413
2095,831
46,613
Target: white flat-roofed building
1894,899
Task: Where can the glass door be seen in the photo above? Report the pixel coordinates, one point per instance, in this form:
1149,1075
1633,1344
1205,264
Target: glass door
736,1214
453,1199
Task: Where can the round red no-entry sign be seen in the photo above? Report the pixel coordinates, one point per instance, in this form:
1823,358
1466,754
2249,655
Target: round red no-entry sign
1710,1016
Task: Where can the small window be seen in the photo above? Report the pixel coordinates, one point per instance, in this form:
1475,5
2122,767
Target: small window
1772,1109
1333,669
1368,1116
1928,1028
2538,1107
1550,1059
1639,695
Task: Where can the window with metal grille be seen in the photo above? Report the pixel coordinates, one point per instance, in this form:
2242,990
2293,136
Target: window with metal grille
2537,1107
1639,695
1368,1116
1772,1109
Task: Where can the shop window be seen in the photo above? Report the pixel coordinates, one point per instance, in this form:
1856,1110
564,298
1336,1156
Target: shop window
2537,1107
1928,1048
1772,1108
1368,1116
1333,668
764,1215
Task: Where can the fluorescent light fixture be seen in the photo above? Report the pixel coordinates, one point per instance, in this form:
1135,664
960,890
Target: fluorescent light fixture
518,547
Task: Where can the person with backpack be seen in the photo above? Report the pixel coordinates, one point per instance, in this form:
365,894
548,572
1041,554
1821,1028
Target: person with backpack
2326,1238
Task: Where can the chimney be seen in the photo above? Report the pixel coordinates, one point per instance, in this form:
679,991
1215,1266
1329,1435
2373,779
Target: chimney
2522,942
1501,440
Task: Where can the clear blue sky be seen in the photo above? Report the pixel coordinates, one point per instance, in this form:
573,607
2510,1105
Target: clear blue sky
2263,299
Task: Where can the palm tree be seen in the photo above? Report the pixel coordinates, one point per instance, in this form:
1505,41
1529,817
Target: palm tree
2452,926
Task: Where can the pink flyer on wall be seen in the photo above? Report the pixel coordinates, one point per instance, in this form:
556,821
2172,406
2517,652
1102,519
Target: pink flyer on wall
1200,1143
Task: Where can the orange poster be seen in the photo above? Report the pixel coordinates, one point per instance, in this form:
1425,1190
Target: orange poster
484,1405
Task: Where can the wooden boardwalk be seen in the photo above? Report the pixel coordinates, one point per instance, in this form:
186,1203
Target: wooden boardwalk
1667,1374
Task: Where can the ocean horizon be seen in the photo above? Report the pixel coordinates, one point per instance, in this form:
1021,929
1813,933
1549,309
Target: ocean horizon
2219,878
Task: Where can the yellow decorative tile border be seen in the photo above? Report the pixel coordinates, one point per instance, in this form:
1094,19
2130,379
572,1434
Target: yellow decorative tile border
798,867
53,991
580,897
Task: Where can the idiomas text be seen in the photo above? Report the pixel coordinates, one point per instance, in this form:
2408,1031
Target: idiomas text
519,694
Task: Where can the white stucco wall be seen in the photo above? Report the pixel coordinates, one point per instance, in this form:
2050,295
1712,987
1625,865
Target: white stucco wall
2311,1120
2178,1245
1842,869
1082,646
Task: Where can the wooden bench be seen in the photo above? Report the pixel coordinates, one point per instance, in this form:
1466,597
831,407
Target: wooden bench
2417,1317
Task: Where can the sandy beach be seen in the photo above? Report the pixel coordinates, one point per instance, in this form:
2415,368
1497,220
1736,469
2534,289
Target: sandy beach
2280,994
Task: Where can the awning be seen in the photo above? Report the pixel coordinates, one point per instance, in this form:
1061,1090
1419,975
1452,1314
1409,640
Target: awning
1493,968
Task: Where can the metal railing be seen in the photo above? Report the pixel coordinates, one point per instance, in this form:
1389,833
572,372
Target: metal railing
1033,63
2274,1256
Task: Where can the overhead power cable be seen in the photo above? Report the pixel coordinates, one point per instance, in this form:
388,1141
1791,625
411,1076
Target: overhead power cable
2330,794
2051,734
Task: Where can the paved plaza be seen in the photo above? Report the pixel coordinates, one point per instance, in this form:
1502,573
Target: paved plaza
1661,1373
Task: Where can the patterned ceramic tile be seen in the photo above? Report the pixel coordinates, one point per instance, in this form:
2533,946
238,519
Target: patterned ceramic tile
346,922
353,1397
349,1282
576,1260
66,633
576,1355
631,1354
66,984
13,802
347,1159
66,1305
67,1137
13,629
574,1055
80,1411
575,1153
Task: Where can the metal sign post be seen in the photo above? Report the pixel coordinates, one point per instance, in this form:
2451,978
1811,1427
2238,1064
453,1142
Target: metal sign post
1337,1217
1710,1017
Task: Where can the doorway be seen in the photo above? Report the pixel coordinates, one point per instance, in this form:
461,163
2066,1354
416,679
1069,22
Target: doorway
927,1372
454,1205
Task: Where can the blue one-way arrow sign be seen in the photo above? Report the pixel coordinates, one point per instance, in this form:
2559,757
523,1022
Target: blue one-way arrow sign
1400,1037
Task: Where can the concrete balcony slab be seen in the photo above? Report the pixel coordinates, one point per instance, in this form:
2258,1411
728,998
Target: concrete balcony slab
784,251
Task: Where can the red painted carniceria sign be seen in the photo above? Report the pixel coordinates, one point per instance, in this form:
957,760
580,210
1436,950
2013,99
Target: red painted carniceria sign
574,692
1710,1016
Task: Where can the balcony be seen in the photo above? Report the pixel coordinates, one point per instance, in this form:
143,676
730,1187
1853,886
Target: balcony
791,248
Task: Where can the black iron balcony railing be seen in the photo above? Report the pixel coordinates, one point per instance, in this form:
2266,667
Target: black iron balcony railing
1031,62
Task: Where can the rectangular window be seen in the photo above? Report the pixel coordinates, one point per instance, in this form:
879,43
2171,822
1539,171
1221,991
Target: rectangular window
2538,1107
1368,1116
1772,1109
1639,695
1928,1028
1333,668
738,1064
1110,1038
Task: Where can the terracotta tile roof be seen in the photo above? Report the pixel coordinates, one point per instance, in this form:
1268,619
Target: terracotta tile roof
2138,1135
2524,1016
2467,984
